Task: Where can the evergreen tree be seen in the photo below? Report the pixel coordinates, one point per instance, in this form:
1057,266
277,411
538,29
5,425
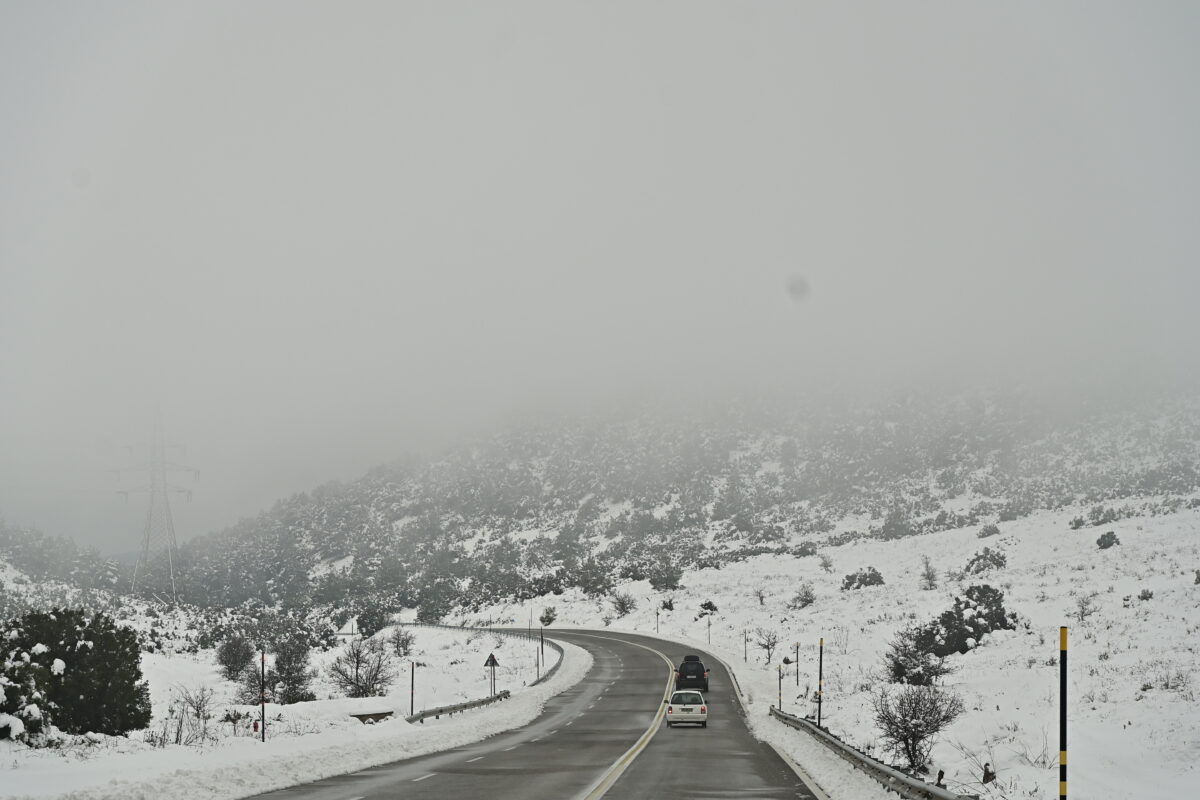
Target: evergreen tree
234,655
290,676
84,668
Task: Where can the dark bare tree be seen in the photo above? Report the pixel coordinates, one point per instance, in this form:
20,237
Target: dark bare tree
767,640
364,669
910,720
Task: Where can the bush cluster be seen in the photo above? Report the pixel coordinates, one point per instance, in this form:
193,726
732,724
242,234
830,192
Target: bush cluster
864,577
1107,540
985,560
917,654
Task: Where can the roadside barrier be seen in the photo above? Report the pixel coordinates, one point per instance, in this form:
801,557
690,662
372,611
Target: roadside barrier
892,779
458,707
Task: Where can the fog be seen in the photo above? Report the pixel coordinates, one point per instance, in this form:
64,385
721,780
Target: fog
320,236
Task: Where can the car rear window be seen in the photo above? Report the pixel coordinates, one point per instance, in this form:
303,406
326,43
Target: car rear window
691,669
687,699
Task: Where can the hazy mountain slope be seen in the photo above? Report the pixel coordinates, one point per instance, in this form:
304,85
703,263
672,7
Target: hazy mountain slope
569,503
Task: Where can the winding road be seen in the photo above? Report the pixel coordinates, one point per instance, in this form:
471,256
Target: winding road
602,737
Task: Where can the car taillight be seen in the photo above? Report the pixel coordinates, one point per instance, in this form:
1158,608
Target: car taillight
670,709
703,709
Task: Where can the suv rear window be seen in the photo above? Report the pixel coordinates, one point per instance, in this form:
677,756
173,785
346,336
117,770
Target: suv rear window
691,669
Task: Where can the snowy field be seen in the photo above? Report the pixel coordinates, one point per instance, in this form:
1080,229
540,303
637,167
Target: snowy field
1134,666
305,741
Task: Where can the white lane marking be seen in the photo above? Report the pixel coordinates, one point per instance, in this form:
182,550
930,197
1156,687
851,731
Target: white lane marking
476,758
514,747
572,722
551,733
423,777
536,740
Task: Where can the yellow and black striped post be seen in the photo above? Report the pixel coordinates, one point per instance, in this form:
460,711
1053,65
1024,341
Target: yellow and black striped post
820,679
1062,713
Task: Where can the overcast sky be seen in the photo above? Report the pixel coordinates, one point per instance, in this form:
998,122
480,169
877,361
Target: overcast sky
322,235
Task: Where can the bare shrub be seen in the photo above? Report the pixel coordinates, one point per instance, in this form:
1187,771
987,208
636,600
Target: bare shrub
767,640
364,669
761,596
827,564
623,603
989,530
929,575
403,641
803,598
910,720
1085,606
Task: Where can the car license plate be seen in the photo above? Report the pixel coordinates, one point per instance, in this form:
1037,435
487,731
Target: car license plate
686,710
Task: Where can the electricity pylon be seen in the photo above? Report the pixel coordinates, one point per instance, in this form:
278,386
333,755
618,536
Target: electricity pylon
159,549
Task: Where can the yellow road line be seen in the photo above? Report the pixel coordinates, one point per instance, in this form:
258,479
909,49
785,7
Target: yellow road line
606,781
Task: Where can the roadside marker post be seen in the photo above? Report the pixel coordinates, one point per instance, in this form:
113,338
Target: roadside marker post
1062,713
797,660
820,678
262,694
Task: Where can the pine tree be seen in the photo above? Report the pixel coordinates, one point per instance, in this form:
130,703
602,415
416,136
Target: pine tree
90,676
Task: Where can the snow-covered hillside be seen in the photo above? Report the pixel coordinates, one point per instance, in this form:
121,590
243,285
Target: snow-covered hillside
1134,657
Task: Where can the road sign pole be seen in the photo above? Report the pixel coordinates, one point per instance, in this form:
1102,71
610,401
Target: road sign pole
412,691
797,664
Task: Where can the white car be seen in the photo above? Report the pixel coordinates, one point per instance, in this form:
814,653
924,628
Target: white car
687,707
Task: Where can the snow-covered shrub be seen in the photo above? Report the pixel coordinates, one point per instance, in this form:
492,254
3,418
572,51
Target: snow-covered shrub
1107,540
549,614
985,560
910,720
234,655
1145,594
864,577
911,658
708,607
826,562
803,598
989,530
81,673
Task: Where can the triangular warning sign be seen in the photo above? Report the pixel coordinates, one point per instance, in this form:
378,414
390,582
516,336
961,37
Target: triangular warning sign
491,662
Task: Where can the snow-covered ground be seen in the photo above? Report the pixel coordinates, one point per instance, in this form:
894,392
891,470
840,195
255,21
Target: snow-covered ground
305,741
1134,665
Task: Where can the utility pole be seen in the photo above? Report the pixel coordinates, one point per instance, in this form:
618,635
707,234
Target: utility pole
159,548
797,663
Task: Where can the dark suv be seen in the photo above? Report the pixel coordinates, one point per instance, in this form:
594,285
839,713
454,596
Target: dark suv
691,674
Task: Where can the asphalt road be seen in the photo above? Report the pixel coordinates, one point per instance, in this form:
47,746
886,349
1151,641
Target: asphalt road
570,750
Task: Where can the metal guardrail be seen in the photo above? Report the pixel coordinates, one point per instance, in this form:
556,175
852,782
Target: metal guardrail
522,633
457,707
893,779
